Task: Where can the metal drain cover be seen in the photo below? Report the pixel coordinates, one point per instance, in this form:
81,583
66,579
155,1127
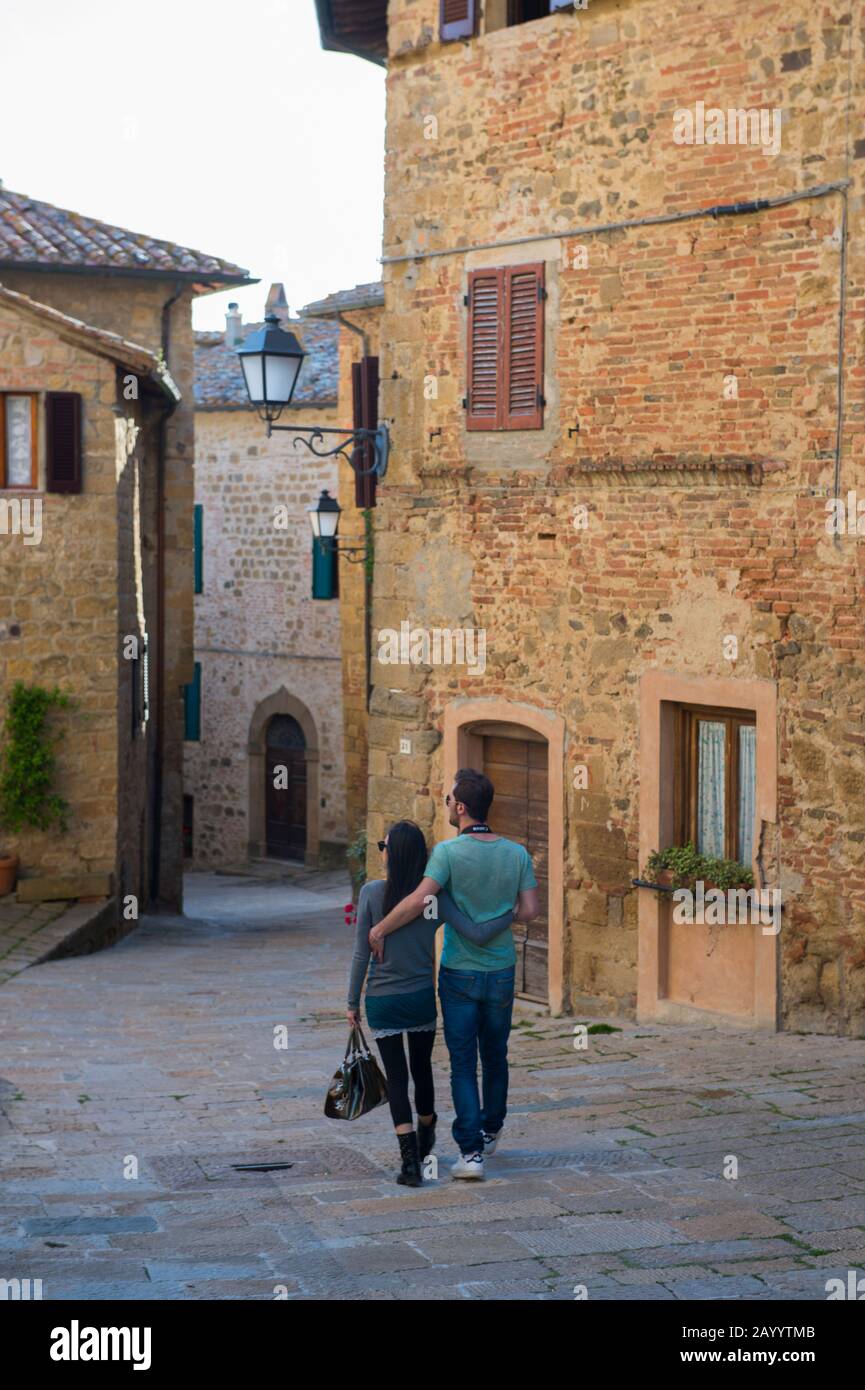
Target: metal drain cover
185,1171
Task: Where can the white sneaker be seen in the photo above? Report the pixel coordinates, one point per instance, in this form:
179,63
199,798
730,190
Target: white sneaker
468,1166
490,1142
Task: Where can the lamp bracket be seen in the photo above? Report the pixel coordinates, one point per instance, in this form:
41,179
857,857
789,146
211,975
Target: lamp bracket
351,445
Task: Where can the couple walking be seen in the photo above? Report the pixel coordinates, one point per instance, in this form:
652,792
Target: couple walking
476,884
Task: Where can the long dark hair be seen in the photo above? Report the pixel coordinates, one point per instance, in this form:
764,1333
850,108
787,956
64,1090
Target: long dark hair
406,861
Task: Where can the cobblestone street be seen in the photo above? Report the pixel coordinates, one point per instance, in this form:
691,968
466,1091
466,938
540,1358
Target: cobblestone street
610,1173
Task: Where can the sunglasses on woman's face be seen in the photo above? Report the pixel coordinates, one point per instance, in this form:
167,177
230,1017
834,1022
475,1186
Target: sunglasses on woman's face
382,844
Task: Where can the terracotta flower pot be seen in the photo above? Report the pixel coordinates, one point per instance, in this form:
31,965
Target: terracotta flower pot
665,878
8,874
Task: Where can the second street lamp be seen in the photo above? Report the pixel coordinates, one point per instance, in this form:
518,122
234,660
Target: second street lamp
324,521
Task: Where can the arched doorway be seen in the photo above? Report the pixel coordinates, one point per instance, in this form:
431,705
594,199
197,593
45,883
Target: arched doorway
521,749
285,789
283,819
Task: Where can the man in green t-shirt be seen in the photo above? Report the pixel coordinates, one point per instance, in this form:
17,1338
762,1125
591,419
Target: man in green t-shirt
486,876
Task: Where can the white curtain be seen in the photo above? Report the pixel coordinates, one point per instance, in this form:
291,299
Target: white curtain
747,791
710,787
18,441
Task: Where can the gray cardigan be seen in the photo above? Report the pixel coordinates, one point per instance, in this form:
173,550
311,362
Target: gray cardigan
409,952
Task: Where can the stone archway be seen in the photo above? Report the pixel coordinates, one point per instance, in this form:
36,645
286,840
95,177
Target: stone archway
282,703
466,723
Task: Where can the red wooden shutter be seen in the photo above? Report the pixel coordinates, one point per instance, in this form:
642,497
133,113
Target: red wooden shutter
457,19
486,322
364,392
63,441
523,375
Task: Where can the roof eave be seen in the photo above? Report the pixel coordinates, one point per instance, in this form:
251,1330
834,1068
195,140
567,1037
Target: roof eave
201,284
331,44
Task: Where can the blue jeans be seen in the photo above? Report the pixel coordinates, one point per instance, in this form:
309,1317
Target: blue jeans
476,1012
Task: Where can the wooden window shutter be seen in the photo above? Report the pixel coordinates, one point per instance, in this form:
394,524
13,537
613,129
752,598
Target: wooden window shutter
192,707
63,441
523,375
458,19
485,324
364,394
198,544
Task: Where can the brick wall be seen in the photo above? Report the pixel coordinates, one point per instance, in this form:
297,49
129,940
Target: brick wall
705,512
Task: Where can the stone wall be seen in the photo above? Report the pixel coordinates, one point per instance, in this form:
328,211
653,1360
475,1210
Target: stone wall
353,587
258,630
60,605
664,506
133,307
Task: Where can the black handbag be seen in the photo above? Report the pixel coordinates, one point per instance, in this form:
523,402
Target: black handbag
358,1085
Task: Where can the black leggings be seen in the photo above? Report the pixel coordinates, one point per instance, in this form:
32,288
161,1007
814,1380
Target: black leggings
420,1046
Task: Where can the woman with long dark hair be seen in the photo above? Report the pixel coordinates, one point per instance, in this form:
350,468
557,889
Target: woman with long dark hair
400,991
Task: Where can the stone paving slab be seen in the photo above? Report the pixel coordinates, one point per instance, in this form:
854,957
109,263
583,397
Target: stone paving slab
610,1173
34,932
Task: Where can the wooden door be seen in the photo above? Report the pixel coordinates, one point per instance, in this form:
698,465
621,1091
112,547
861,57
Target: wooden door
285,791
518,771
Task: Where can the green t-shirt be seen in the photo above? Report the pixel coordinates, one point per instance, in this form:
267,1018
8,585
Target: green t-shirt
484,880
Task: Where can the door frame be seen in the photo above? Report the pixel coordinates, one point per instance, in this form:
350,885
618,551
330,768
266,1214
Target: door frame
281,702
463,748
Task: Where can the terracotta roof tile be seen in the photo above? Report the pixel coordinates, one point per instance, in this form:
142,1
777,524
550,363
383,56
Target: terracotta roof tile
39,234
368,296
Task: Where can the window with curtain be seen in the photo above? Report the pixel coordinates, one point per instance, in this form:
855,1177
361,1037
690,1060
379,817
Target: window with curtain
716,781
17,441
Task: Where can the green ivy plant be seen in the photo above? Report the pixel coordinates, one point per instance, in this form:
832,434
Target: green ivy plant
356,856
688,867
27,761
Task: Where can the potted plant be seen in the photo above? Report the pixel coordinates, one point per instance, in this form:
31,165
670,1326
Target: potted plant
676,867
27,767
8,873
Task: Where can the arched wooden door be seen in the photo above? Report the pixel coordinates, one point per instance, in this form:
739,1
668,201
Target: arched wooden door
285,788
515,760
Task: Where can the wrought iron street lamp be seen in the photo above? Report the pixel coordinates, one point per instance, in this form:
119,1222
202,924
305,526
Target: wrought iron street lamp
271,359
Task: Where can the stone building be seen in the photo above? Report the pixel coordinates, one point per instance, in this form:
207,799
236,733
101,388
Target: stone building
356,315
97,441
268,662
621,355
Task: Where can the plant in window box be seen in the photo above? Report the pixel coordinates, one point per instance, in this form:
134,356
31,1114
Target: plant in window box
681,866
27,766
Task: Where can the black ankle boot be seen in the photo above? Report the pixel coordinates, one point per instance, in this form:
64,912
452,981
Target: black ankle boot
409,1175
426,1138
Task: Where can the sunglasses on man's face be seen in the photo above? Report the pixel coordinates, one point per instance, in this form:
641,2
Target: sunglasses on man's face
382,844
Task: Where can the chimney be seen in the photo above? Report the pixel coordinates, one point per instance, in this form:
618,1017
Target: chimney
276,303
233,327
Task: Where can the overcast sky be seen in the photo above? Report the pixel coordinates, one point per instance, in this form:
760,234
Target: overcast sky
216,124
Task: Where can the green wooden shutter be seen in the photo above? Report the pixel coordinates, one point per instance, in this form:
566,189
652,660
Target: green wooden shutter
192,707
199,547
